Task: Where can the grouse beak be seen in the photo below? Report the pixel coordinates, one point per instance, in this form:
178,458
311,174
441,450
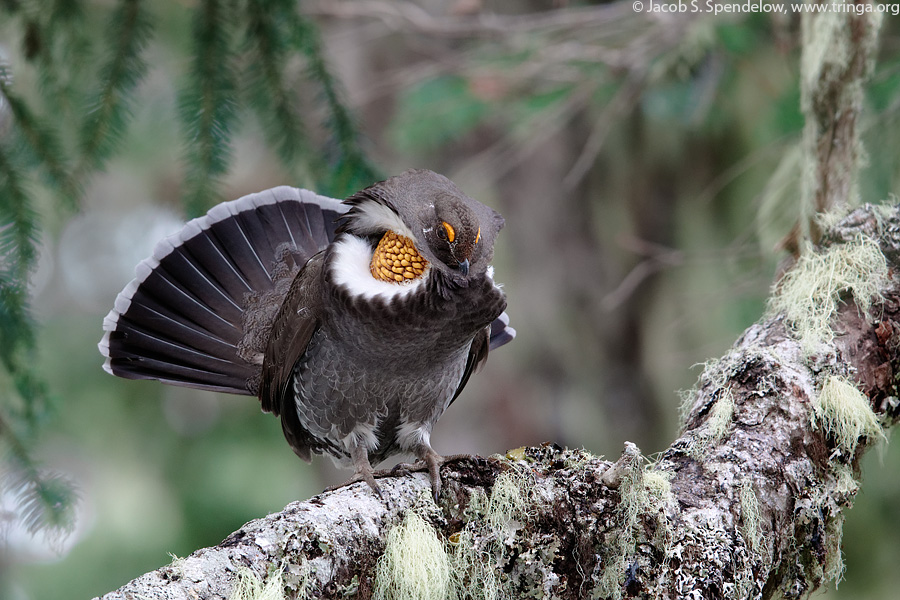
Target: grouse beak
464,267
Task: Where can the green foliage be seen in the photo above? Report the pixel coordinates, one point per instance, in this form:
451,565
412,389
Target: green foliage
207,105
438,111
41,500
348,170
107,112
44,502
738,38
67,99
883,91
787,116
35,141
268,39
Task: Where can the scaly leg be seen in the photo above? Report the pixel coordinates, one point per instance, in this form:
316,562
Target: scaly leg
434,461
360,457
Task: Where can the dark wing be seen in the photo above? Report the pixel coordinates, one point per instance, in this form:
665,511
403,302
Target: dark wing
297,320
478,353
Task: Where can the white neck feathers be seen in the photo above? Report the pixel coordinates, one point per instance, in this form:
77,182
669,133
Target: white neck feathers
349,266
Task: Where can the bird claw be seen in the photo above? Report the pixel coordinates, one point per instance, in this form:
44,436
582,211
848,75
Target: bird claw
367,477
401,470
429,461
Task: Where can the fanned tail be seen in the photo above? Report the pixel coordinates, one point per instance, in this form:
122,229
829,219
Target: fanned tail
182,320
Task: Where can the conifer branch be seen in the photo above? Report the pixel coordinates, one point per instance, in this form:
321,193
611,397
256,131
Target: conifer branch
18,221
40,140
349,169
748,502
56,139
59,45
208,105
18,243
129,30
44,502
268,92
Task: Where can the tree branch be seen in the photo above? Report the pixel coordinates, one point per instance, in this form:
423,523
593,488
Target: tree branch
747,502
838,57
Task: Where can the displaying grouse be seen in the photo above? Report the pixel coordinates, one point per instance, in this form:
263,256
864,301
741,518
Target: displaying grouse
358,323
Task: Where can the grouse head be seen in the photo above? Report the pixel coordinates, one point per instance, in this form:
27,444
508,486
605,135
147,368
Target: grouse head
420,220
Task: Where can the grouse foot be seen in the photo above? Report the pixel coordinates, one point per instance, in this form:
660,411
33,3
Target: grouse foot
430,461
364,472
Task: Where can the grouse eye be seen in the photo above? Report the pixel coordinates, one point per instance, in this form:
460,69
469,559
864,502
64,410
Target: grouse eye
449,232
478,235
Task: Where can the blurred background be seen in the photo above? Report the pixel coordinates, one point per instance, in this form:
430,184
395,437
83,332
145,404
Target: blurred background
647,167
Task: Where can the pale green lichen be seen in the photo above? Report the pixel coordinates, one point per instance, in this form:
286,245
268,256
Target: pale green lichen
845,483
809,294
833,569
714,375
474,562
716,427
750,519
845,415
300,578
642,491
658,484
176,566
686,399
831,88
415,564
579,458
753,537
633,498
481,546
250,587
510,500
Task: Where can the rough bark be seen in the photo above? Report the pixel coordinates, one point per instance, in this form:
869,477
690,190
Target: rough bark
747,502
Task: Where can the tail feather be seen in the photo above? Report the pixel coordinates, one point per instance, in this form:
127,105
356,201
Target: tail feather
166,372
501,332
234,236
178,299
319,226
152,319
181,319
186,272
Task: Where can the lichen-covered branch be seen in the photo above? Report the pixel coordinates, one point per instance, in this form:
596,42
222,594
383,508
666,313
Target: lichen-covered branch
838,57
747,503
